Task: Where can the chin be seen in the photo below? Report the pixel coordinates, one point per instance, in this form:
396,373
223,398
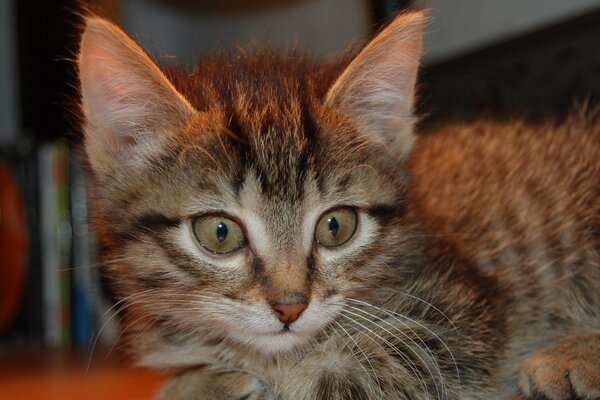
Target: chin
272,344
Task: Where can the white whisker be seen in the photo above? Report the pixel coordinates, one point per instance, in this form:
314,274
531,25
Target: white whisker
409,363
424,348
394,314
364,355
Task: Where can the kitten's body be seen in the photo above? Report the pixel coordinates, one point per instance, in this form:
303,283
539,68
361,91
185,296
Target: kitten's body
470,255
520,202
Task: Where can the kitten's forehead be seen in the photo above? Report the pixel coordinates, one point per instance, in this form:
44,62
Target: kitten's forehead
261,81
288,140
270,102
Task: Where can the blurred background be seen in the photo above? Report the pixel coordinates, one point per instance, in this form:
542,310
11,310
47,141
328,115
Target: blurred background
532,58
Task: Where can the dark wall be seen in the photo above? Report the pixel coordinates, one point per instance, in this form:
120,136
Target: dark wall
47,37
543,75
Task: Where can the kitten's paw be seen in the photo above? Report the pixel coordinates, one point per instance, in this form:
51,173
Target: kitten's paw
568,369
208,384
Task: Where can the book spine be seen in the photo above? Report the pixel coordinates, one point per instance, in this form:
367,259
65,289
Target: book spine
64,234
48,248
82,276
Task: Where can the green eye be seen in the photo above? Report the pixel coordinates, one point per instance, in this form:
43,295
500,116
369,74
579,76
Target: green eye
336,227
218,234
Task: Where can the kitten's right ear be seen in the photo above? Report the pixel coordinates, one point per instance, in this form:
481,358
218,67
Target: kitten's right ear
377,89
127,100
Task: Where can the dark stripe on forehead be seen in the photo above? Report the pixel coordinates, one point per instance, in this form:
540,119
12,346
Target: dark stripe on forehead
240,155
233,123
309,125
311,138
281,146
240,169
165,160
339,186
279,166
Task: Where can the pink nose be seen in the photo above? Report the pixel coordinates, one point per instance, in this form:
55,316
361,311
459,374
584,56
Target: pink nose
288,313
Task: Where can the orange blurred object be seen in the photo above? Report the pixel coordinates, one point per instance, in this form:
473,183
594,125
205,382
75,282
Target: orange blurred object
13,248
53,375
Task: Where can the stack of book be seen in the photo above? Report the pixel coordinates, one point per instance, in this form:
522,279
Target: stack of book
63,304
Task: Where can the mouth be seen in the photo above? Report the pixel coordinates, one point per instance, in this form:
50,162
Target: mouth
284,331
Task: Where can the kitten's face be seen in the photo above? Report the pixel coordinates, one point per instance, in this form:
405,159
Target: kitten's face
239,239
246,203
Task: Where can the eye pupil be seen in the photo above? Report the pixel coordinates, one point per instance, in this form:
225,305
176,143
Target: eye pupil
222,232
333,226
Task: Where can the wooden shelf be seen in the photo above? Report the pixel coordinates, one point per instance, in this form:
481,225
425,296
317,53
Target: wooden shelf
34,375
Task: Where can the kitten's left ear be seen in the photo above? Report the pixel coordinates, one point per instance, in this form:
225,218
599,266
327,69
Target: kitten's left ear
377,89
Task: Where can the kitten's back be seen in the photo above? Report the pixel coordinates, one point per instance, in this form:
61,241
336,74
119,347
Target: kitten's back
520,200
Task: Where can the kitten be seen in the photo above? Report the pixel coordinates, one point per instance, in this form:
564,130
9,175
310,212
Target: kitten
273,228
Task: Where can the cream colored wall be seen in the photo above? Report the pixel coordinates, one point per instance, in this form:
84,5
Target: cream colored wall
460,26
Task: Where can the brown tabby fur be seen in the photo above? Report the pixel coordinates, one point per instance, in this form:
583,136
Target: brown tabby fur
480,277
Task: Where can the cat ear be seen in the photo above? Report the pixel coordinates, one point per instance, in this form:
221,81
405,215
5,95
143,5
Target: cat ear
127,100
377,89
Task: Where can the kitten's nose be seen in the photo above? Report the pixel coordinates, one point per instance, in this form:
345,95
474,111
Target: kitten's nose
288,313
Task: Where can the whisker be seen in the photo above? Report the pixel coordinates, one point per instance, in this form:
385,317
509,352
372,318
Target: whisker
364,355
394,314
430,355
98,264
432,306
124,300
123,330
391,346
394,291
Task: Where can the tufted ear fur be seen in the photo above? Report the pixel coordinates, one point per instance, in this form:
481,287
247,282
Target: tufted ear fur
127,101
377,89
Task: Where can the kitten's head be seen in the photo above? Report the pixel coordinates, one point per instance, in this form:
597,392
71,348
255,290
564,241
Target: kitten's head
245,201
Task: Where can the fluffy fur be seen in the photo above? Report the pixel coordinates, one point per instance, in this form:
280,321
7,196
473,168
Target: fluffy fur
474,272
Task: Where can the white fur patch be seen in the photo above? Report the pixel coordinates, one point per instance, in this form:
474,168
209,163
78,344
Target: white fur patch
260,329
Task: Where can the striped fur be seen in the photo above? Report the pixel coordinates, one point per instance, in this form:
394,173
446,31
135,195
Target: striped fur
478,243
